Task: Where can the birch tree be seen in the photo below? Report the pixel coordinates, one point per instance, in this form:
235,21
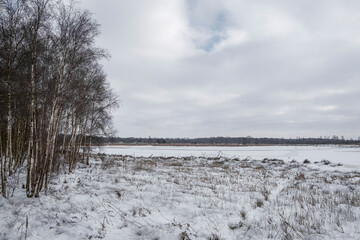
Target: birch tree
54,95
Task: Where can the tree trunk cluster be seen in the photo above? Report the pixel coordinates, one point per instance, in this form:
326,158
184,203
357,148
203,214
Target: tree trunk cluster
54,95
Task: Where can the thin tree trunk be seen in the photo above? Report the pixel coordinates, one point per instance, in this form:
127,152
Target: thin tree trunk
90,139
84,136
30,183
72,143
9,149
52,140
63,153
2,158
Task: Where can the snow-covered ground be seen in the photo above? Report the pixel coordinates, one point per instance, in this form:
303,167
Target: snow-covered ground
347,155
191,197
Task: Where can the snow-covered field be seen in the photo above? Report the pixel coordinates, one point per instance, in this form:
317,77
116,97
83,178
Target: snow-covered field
197,196
347,155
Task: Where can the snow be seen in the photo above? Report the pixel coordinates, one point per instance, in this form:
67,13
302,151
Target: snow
202,195
347,155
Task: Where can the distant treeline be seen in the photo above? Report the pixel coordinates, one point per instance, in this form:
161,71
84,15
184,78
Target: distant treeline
227,141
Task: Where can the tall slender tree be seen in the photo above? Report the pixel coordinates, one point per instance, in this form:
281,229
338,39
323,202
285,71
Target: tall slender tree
54,95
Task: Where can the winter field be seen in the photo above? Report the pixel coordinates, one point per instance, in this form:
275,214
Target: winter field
145,192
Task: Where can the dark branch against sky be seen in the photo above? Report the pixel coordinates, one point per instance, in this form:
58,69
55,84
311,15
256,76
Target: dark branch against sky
201,68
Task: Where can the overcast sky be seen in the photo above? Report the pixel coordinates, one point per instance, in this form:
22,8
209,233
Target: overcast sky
201,68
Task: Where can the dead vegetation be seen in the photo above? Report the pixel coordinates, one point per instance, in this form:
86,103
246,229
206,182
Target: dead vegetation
200,198
319,201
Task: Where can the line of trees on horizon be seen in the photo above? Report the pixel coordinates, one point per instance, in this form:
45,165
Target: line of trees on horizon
228,140
54,95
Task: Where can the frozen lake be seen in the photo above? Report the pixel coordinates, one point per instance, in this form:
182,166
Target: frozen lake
347,155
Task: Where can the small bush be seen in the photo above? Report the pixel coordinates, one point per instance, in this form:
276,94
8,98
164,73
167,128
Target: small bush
107,163
325,162
118,193
300,176
184,236
214,236
243,214
234,226
259,203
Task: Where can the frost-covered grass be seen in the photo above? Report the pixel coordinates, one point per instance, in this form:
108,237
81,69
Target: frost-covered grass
125,197
348,155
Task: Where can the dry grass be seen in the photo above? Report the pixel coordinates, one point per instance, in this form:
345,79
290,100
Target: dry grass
319,201
202,198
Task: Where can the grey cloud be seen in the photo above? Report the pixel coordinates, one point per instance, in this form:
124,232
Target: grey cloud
233,68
